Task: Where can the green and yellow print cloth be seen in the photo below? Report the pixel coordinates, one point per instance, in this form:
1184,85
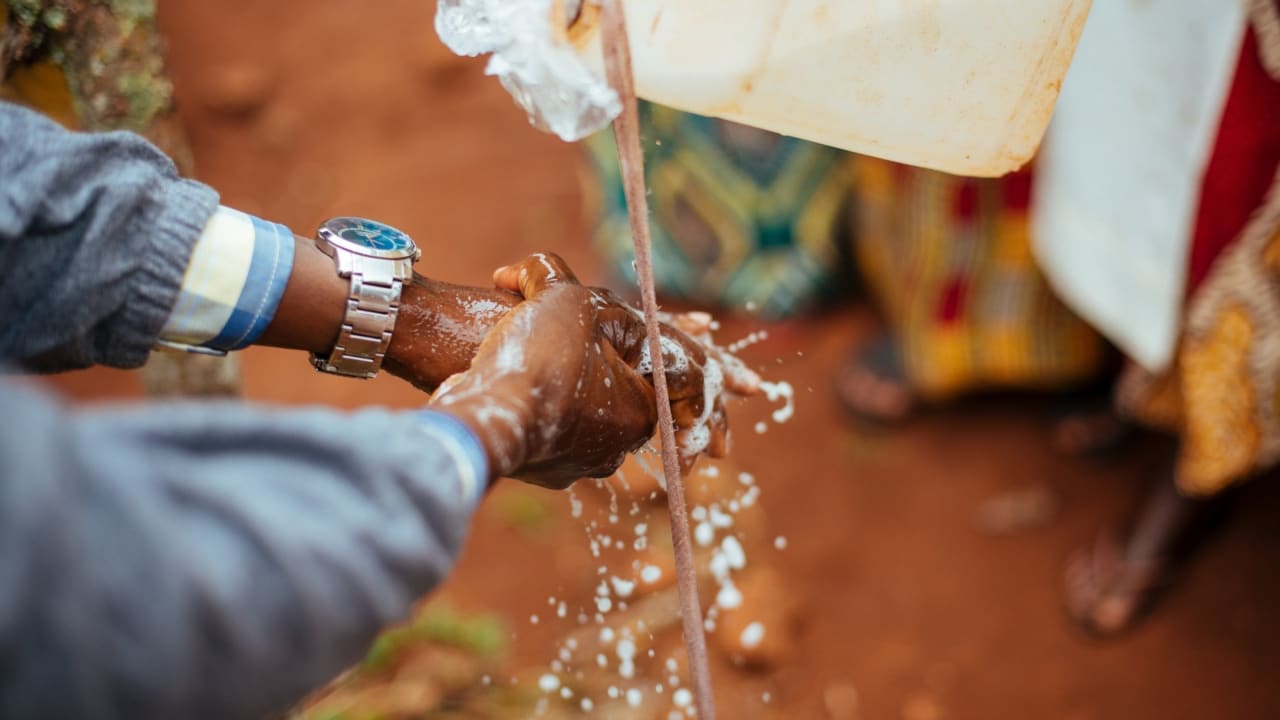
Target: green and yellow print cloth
741,218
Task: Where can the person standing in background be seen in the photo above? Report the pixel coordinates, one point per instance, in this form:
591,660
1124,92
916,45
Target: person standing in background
1157,218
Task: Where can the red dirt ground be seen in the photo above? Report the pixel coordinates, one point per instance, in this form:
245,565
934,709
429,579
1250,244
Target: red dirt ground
302,109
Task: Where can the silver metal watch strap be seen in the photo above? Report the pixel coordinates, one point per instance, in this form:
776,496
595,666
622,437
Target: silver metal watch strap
362,343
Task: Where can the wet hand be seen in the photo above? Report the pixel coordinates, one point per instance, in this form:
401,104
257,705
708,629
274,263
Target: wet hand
439,329
698,373
548,393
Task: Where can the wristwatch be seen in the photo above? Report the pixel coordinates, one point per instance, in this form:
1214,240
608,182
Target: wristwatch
378,259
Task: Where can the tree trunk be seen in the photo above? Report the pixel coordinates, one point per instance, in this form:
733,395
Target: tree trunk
99,64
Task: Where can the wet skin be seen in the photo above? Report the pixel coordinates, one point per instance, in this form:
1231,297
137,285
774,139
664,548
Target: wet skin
572,405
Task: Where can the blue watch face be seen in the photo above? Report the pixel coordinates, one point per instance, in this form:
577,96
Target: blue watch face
369,234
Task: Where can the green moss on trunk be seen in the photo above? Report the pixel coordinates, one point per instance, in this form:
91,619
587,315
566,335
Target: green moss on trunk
110,50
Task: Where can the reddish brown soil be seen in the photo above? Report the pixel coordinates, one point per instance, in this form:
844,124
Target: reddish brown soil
300,109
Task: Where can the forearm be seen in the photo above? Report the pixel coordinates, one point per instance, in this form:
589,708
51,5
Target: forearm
440,327
437,322
95,234
213,562
311,310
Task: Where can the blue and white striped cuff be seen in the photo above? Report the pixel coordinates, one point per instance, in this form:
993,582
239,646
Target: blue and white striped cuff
462,444
233,285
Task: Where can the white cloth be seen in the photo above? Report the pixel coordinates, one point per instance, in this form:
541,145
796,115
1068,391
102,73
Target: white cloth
1119,176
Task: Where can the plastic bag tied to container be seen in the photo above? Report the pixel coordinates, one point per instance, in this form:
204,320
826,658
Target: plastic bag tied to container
533,60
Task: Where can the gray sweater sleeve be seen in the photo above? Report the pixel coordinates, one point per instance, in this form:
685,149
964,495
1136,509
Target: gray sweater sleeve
96,231
212,561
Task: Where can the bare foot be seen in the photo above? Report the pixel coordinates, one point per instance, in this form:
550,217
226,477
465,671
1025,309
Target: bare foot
1110,585
1105,594
871,384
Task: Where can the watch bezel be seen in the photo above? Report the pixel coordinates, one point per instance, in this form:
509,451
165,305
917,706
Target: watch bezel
332,238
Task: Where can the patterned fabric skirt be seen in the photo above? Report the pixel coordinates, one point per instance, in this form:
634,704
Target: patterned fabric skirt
948,260
1222,395
741,218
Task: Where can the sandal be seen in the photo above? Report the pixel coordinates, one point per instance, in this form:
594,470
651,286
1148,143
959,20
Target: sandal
871,384
1105,594
1085,425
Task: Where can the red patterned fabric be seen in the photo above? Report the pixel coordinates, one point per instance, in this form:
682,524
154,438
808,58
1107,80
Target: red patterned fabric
964,206
1017,190
951,307
1243,163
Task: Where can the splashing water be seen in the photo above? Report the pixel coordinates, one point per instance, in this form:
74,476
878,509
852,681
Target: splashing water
630,573
780,391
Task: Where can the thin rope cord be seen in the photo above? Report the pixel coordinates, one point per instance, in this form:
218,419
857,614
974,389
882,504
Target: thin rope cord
617,59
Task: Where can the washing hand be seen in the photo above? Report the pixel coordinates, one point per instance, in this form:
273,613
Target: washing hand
557,389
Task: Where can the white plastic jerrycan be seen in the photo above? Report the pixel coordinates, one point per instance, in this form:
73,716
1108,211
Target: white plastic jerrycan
963,86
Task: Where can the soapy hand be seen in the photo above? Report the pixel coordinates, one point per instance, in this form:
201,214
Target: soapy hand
557,390
698,373
439,329
548,394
